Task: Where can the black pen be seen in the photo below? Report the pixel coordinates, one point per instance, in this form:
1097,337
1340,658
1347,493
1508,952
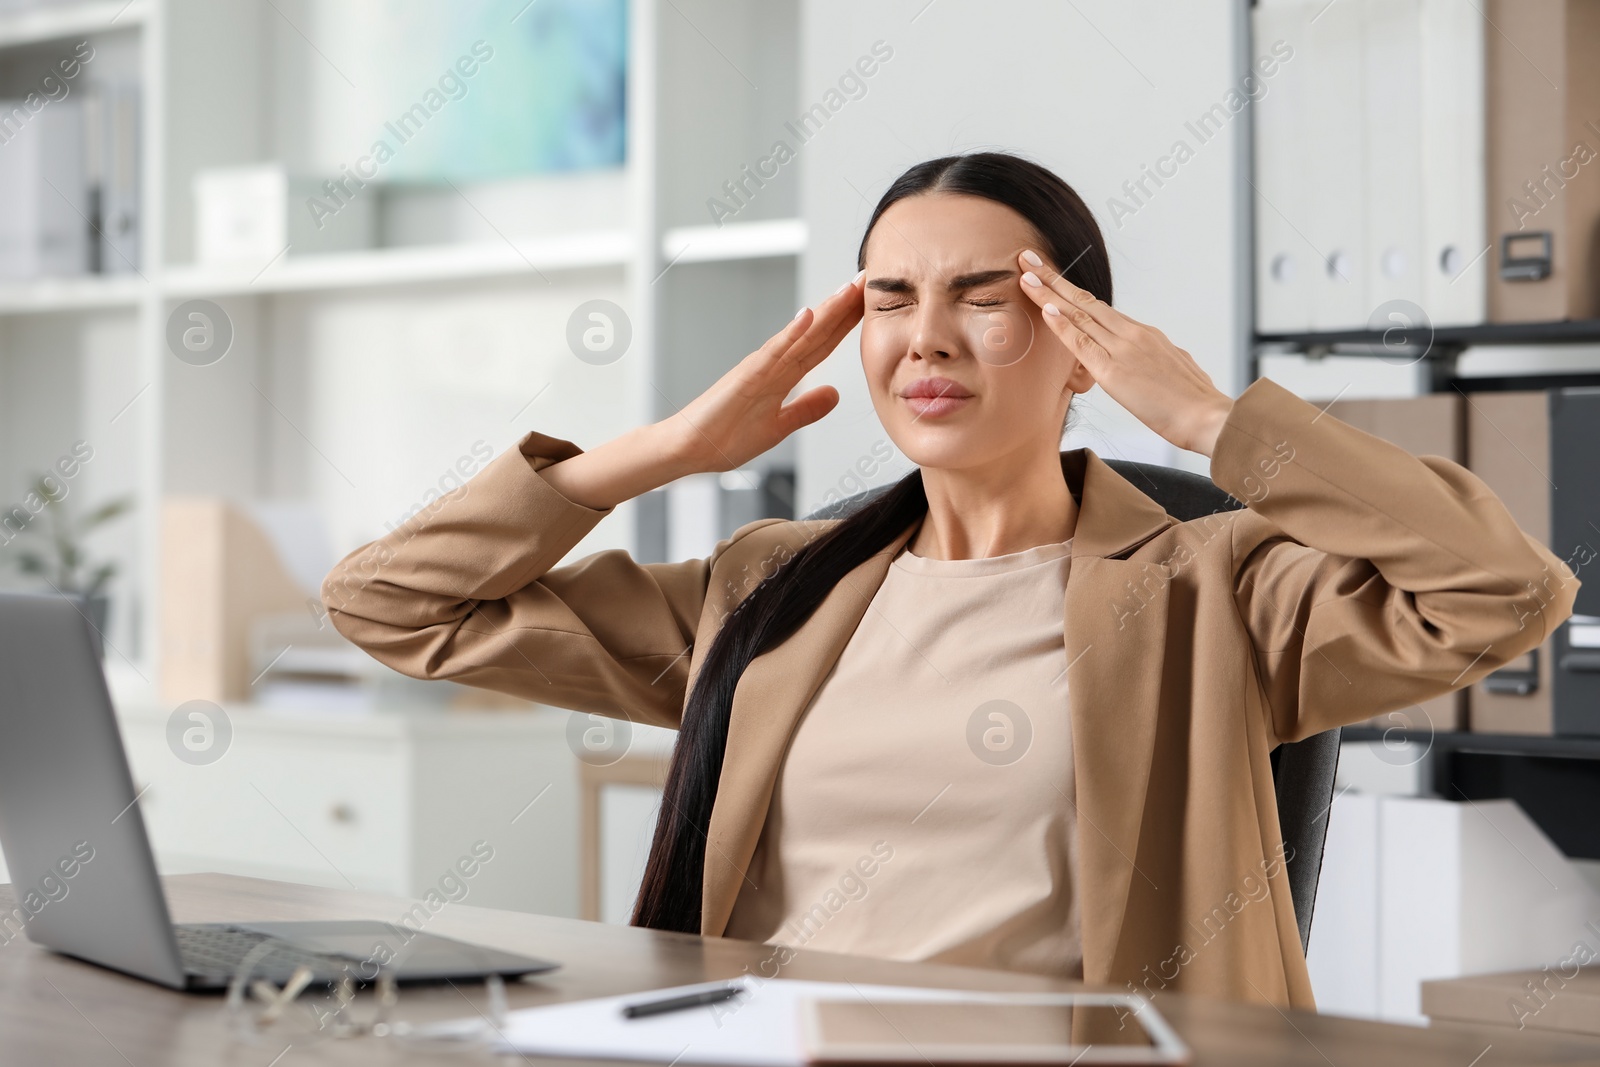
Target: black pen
688,1000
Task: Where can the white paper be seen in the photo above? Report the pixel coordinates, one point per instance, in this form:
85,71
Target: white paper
760,1028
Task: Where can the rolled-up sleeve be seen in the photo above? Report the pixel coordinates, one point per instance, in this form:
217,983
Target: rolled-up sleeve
468,590
1369,579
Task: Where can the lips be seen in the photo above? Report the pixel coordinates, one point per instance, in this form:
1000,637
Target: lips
936,387
935,396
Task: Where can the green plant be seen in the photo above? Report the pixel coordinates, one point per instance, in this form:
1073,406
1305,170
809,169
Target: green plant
64,564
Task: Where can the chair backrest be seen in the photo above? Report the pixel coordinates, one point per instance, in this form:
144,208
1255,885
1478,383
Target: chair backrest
1302,771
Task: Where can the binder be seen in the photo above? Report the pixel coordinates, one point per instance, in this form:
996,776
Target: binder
16,226
1543,208
119,191
1284,262
1391,53
1455,262
1540,452
1575,533
1335,223
93,168
1508,446
1369,165
45,227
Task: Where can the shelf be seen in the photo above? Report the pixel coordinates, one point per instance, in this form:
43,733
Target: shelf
377,268
406,266
734,241
71,294
54,22
1485,744
1445,339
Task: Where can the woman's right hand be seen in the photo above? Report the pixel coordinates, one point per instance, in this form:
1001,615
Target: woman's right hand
741,416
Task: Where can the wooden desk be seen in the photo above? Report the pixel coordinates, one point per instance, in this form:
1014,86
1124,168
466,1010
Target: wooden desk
1564,998
55,1010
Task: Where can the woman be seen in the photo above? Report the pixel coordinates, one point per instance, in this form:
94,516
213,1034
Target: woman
1010,713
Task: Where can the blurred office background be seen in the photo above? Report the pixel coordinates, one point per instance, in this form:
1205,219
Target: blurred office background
275,274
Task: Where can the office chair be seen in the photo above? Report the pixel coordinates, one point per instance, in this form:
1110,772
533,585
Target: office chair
1302,771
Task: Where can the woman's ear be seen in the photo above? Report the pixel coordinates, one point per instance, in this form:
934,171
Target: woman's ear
1079,380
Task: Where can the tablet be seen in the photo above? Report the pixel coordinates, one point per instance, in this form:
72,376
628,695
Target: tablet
1066,1028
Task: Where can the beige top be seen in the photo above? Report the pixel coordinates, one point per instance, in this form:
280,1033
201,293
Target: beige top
924,808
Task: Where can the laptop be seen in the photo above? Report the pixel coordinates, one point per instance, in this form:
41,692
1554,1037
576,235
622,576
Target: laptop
80,862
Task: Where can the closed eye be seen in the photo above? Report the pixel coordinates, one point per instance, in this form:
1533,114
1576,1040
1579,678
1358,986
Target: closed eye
974,303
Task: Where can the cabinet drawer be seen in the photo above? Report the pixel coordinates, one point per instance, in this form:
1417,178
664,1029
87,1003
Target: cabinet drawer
332,807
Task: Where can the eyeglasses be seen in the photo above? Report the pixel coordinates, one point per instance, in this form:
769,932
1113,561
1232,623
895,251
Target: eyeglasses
303,1012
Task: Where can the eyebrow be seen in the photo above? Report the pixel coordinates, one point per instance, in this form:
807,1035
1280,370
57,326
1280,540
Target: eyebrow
970,280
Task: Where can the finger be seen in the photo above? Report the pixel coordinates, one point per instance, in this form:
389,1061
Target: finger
772,351
1047,295
783,346
807,408
835,317
808,353
1072,325
1059,284
1057,309
838,313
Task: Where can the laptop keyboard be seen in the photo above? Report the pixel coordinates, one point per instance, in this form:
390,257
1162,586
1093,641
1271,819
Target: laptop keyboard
219,949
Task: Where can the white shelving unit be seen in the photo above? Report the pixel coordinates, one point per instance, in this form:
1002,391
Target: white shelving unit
69,294
734,240
54,22
407,266
354,378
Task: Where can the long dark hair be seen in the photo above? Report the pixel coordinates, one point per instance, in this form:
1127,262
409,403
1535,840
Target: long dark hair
669,898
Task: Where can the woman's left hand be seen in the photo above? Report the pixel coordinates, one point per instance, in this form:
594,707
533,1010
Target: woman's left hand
1159,383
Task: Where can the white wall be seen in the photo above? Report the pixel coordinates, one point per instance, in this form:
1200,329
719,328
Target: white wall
1094,90
394,392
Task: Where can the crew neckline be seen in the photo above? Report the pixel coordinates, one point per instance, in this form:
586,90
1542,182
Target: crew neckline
971,568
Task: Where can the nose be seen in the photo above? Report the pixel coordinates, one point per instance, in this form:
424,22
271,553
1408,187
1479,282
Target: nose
935,335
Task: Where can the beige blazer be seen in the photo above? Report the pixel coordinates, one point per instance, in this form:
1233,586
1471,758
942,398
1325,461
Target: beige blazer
1359,579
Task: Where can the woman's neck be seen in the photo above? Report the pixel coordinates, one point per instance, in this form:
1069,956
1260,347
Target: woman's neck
1017,502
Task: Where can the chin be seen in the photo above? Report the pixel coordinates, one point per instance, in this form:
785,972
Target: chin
935,447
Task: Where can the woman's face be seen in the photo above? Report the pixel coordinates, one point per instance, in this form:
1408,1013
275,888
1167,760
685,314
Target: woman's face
962,369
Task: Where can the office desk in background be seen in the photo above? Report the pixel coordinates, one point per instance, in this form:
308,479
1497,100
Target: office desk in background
55,1010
